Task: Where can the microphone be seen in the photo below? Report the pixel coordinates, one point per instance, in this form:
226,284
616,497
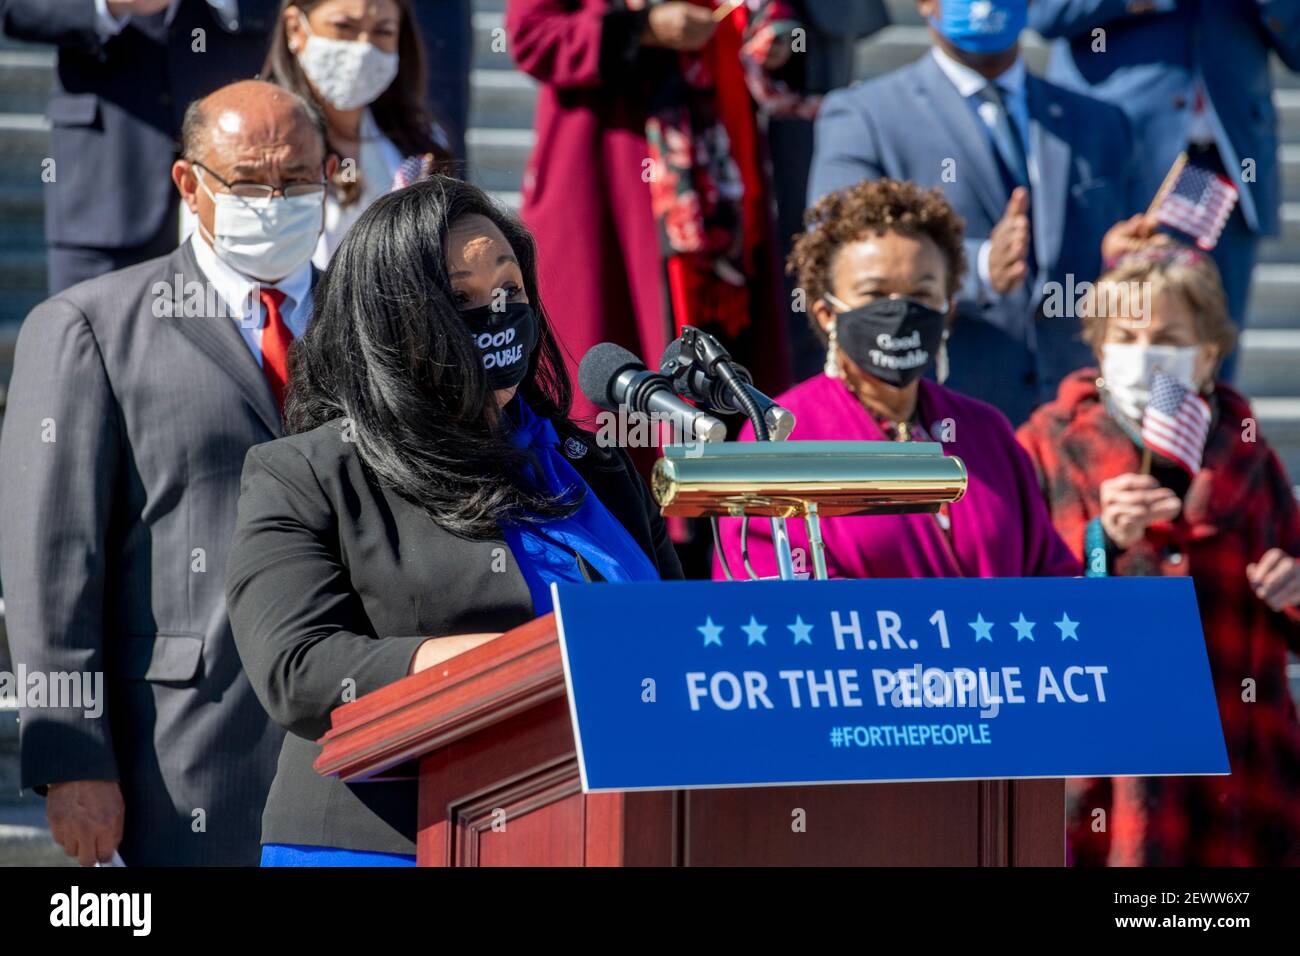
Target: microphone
612,378
780,421
692,378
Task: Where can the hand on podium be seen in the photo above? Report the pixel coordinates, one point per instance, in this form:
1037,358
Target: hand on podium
438,649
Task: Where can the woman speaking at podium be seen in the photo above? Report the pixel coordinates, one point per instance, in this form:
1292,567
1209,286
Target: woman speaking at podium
880,264
430,490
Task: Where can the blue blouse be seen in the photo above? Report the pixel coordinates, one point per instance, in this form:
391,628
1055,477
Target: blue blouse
545,551
293,854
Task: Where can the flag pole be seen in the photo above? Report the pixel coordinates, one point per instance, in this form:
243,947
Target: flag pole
1170,178
725,9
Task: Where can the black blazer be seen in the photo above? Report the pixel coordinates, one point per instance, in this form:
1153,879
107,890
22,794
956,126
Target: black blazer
332,583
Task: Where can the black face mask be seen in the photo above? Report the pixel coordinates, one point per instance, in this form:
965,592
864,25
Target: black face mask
894,340
506,340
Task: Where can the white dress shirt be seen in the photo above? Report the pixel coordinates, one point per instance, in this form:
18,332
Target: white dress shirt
240,296
1011,85
377,164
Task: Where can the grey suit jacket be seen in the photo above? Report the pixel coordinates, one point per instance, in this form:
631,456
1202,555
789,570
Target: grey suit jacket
120,460
913,124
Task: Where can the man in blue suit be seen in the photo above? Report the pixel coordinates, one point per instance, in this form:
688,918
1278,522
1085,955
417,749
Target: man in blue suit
1038,172
126,71
1192,75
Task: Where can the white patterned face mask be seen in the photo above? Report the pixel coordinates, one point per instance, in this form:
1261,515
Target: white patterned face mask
1127,370
347,73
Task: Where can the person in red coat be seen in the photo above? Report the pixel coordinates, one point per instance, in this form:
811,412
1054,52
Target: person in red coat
1226,517
647,187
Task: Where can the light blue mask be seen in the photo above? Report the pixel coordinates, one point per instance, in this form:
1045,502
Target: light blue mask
982,26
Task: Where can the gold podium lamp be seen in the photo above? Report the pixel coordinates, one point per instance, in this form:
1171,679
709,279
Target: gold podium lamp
807,479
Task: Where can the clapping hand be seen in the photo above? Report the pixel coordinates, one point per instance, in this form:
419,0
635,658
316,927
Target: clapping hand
679,25
1275,579
1009,244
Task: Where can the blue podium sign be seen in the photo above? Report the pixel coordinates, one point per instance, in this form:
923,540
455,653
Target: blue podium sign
689,684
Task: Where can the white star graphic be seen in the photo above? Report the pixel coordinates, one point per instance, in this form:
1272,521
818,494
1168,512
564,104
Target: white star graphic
800,630
1069,629
982,629
1024,629
754,630
712,633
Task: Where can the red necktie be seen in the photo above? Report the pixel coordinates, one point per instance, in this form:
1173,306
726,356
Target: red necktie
276,339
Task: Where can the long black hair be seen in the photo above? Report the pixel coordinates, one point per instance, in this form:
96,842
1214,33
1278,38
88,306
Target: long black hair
402,112
388,351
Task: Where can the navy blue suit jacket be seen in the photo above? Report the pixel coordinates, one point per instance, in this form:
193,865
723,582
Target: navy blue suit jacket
116,106
913,124
1148,65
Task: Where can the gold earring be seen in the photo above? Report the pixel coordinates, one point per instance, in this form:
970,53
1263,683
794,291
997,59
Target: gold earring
832,368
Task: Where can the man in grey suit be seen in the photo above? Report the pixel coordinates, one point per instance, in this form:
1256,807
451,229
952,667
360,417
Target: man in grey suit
133,401
1038,172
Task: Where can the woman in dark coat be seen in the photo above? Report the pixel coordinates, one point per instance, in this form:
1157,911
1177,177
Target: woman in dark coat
1222,513
431,489
649,170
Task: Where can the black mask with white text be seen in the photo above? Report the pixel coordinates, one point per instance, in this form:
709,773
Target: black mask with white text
895,340
505,339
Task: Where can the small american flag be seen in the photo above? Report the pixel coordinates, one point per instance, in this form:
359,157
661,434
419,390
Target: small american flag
413,169
1198,202
1176,422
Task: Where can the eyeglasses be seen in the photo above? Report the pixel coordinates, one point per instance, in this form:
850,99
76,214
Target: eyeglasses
247,190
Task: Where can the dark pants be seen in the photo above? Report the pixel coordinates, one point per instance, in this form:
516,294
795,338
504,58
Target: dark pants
448,35
791,145
1235,256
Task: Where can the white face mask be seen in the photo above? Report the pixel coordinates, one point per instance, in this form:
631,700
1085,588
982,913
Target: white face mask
1127,370
347,73
264,239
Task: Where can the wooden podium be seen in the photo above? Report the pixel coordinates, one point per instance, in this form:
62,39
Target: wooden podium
488,735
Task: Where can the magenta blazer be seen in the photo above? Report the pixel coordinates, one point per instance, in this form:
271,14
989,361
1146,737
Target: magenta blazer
1000,529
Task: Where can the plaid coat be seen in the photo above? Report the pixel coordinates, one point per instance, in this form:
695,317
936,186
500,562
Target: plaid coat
1238,507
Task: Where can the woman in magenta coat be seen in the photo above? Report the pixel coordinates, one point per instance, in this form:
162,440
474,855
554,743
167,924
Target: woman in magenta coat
647,187
880,264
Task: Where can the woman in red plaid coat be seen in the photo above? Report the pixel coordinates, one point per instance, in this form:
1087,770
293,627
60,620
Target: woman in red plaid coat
1212,502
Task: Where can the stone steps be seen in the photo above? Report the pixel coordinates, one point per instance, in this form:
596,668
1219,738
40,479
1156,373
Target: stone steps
499,143
1270,359
25,839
